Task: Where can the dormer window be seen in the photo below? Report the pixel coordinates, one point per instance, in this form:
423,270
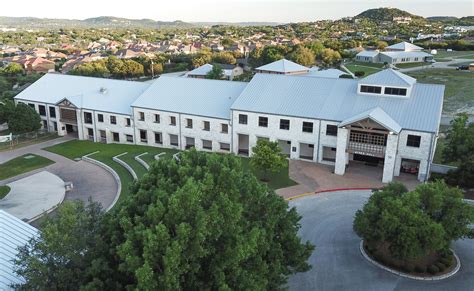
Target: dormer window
370,89
395,91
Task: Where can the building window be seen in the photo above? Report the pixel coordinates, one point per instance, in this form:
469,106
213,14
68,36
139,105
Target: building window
413,141
395,91
173,120
224,146
189,123
307,127
42,110
100,117
158,138
129,122
262,121
331,130
129,137
284,124
88,117
206,125
242,119
143,136
113,119
116,136
157,118
141,116
207,144
52,112
370,89
174,140
32,105
224,128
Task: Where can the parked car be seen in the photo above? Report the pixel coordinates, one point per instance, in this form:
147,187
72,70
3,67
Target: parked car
463,67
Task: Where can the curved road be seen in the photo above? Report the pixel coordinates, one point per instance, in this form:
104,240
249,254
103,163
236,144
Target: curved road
88,180
337,262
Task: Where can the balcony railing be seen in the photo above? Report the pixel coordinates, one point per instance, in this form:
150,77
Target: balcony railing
366,149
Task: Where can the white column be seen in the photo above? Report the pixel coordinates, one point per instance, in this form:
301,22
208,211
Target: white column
390,157
341,156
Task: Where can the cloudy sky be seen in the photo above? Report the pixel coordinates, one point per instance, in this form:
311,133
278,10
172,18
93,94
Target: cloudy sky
229,10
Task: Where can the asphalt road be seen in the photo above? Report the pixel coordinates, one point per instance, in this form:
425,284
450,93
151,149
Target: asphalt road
337,262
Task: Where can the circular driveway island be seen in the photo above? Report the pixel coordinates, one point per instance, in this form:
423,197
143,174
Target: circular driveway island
337,262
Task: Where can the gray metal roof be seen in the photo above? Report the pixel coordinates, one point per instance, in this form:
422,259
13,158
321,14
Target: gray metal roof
406,46
283,66
388,77
202,97
116,95
368,53
408,54
14,233
337,99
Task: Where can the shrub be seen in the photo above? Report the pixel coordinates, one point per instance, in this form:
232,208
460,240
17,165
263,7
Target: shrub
446,261
359,73
409,268
420,269
440,266
433,269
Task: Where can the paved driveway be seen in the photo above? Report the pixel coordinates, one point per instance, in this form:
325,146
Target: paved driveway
337,262
89,180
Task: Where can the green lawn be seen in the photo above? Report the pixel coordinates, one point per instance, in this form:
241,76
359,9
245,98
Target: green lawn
76,149
368,68
443,54
26,141
4,190
459,86
22,165
411,65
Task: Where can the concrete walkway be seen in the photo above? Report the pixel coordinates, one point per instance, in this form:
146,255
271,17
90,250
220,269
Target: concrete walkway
89,180
31,196
312,177
337,262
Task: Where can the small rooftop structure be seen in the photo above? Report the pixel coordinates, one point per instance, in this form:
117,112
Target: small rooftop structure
14,233
284,67
388,77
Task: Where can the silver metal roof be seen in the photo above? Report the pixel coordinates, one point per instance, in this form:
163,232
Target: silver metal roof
14,233
337,100
378,115
89,93
407,54
368,54
202,97
283,66
406,46
388,77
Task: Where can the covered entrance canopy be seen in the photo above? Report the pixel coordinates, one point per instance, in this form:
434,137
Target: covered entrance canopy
370,137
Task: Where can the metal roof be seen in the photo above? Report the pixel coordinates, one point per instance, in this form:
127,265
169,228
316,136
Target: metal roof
14,233
388,77
283,66
89,93
408,54
378,115
328,73
202,97
201,71
368,54
405,46
337,100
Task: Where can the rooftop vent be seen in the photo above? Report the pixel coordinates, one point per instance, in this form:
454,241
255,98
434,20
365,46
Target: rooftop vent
103,90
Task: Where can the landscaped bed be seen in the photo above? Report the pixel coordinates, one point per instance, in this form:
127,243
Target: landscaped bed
23,164
4,190
428,266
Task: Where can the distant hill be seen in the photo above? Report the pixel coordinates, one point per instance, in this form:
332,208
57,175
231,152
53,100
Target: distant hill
385,14
97,22
442,18
468,21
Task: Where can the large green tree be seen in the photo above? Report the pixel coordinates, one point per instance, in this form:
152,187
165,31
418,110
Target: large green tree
459,140
302,56
216,73
20,117
63,255
267,157
414,224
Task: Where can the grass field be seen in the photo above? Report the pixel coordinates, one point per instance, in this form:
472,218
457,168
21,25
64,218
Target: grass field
4,190
443,54
411,65
76,149
22,164
459,86
368,68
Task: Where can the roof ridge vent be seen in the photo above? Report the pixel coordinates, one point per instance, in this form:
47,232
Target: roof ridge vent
103,90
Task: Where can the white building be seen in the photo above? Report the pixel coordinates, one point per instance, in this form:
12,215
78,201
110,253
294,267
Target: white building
230,71
399,53
385,119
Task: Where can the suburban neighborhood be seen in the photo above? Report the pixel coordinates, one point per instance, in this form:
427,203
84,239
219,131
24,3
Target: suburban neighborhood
302,155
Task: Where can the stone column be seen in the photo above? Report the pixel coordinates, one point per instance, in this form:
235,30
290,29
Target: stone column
341,156
390,157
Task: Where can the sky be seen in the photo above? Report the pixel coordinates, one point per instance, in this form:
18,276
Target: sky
229,10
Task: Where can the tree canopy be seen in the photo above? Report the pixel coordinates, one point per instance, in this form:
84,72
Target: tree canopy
459,140
413,224
267,157
20,117
198,223
217,73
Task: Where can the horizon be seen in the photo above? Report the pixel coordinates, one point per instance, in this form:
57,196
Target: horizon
283,11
